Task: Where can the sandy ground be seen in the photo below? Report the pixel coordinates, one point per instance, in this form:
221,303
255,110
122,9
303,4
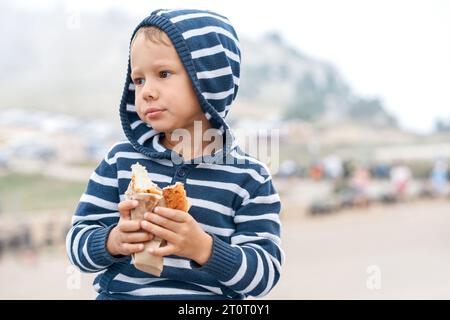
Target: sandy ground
405,246
400,251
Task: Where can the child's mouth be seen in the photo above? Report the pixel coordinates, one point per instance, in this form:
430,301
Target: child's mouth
153,112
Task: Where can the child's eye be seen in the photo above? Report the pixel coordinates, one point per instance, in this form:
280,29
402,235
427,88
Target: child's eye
138,81
164,74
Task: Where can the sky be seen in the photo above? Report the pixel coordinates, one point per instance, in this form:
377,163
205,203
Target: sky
398,51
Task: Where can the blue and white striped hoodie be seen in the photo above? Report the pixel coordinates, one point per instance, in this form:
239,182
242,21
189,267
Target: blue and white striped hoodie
231,194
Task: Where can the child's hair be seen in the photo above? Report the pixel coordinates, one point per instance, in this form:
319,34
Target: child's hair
153,34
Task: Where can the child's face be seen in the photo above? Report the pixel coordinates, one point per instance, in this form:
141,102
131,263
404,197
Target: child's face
165,98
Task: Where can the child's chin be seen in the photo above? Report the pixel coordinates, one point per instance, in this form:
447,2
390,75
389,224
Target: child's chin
159,127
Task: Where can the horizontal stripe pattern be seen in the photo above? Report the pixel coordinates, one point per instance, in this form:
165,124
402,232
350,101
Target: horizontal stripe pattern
210,29
236,204
218,95
249,228
214,49
210,205
198,15
214,73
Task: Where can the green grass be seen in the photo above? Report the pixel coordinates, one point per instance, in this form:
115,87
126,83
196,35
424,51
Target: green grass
35,192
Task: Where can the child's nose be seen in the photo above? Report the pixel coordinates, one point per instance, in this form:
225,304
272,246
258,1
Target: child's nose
150,92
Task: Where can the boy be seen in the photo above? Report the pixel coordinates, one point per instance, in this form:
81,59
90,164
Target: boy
183,74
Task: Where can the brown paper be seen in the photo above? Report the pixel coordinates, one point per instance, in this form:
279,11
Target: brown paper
143,260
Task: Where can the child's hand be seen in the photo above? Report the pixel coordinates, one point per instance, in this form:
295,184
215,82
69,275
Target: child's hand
127,237
183,234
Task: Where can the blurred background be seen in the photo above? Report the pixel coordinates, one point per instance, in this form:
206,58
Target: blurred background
357,93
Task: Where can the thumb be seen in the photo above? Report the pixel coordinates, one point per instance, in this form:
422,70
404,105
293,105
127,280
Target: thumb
125,207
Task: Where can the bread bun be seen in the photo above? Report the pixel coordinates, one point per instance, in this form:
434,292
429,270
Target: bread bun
141,182
175,197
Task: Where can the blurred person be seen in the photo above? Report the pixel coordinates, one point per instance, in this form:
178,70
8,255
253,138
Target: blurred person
438,176
316,172
333,168
360,182
400,178
183,71
347,169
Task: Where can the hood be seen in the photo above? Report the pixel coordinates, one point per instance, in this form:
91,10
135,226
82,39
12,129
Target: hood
210,52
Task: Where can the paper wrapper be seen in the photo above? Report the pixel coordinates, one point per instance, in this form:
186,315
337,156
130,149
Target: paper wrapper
143,260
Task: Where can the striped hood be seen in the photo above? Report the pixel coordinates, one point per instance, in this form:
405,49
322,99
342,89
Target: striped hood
209,50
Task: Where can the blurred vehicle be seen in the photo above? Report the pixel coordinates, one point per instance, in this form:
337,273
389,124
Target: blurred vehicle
387,197
288,168
380,171
34,150
96,149
323,206
5,157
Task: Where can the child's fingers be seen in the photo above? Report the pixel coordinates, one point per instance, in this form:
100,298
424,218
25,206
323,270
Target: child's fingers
129,248
161,221
163,251
139,237
130,225
160,232
126,206
172,214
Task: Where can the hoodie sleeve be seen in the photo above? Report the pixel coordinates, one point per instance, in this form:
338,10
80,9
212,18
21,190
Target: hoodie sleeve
96,214
251,264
